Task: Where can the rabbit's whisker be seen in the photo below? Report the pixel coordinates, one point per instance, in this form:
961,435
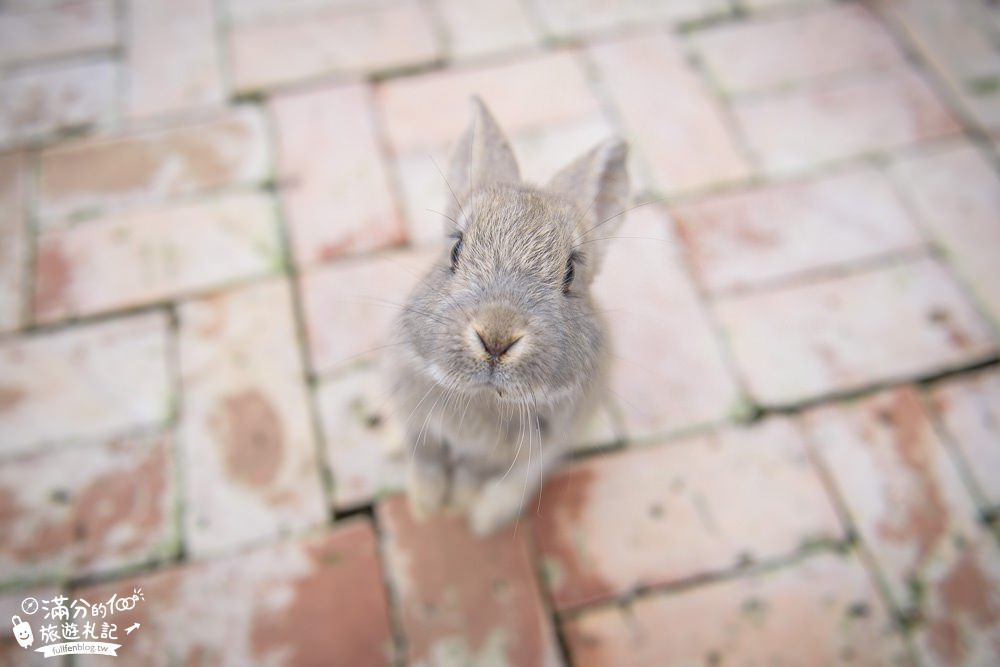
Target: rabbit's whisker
617,215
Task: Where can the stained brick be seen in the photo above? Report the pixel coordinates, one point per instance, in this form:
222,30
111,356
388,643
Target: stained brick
13,240
686,145
802,341
87,382
464,600
956,195
250,457
56,31
822,611
349,306
571,17
318,600
86,510
481,27
869,113
330,41
337,197
38,101
668,371
777,232
105,173
663,514
832,40
968,406
142,257
190,77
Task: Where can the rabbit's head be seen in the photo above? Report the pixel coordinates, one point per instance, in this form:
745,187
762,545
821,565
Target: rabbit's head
507,309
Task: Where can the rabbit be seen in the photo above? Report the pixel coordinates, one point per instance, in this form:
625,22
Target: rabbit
502,350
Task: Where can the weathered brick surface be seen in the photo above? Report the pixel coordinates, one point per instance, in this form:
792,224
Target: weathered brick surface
968,407
802,341
13,240
832,40
191,76
686,146
86,510
38,101
567,17
103,173
246,435
90,381
336,192
775,233
951,36
662,514
318,600
869,113
363,439
350,306
331,42
821,611
956,196
668,371
50,32
478,28
141,257
464,600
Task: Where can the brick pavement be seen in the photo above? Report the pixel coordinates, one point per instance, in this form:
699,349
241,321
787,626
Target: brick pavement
209,210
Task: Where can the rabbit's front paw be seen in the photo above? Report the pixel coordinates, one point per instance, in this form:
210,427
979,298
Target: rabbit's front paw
427,489
496,506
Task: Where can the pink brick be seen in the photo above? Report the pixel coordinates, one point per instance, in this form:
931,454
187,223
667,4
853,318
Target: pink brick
898,484
464,600
246,434
106,173
13,241
956,39
570,17
512,92
250,11
803,341
821,611
869,113
481,27
86,510
668,371
956,196
832,40
777,232
663,514
364,442
314,601
144,257
676,127
968,406
51,32
39,101
961,615
349,306
92,381
11,603
338,198
190,76
326,42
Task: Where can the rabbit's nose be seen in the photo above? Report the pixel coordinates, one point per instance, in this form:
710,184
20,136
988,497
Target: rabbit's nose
496,346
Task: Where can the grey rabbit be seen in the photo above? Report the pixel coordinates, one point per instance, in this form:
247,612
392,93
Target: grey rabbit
502,351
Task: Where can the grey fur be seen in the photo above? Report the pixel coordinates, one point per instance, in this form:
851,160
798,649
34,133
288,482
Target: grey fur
486,423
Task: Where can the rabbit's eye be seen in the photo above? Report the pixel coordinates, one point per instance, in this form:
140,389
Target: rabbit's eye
570,273
456,250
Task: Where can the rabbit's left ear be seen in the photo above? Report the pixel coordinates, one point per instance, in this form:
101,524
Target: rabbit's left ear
483,155
598,183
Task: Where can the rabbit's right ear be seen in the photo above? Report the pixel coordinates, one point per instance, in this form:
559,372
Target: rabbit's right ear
482,156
